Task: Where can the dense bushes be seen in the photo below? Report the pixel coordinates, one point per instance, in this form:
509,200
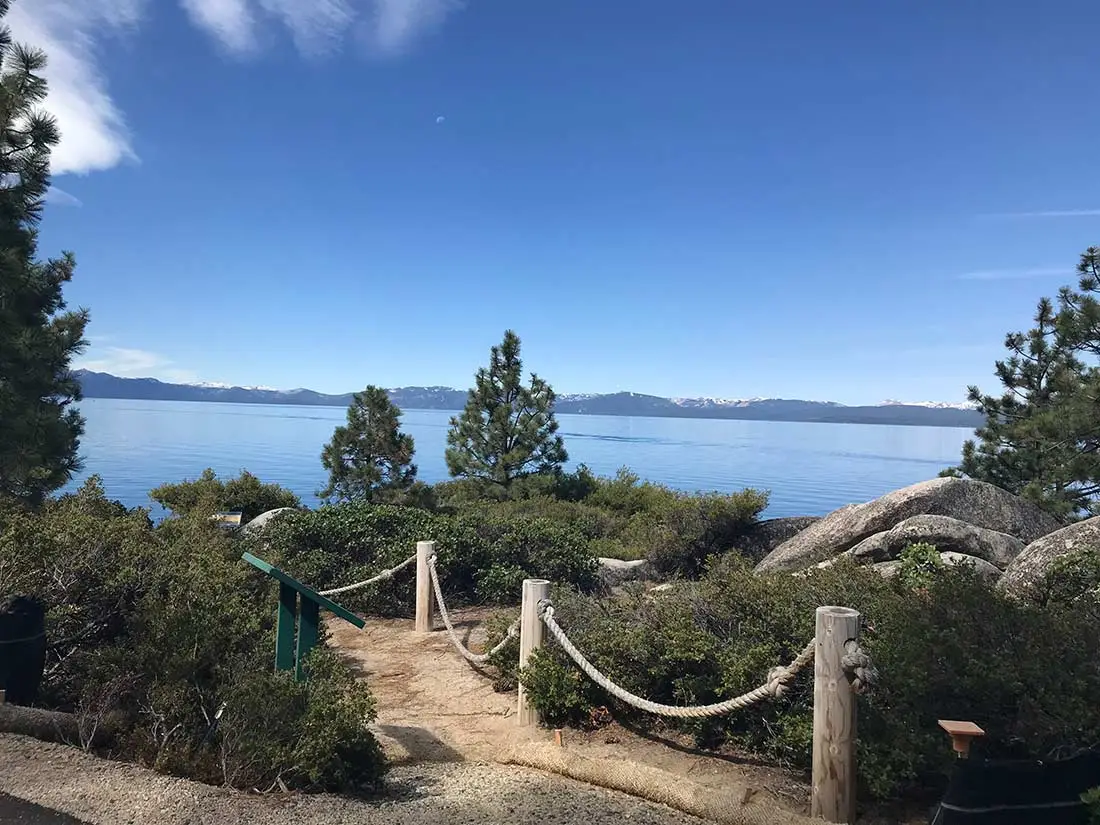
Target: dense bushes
245,493
153,629
487,547
626,518
950,648
483,556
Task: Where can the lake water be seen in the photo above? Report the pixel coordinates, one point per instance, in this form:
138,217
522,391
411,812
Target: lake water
810,469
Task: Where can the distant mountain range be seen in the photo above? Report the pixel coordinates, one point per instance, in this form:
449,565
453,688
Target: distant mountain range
928,414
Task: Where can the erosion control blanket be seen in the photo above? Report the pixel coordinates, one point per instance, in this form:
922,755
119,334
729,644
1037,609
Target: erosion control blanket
985,792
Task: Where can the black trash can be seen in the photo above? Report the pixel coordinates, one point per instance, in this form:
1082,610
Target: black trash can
1019,792
22,648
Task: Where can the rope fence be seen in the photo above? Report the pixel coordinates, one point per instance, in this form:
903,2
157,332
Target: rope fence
778,679
842,670
385,574
465,652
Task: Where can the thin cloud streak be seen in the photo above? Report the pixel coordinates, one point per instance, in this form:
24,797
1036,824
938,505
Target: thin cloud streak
396,24
230,22
1013,274
59,197
1050,213
387,28
128,362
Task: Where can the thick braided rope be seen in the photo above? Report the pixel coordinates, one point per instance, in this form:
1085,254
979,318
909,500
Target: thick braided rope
778,679
469,655
385,574
858,667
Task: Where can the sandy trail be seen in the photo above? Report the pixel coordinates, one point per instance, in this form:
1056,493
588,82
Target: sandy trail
434,706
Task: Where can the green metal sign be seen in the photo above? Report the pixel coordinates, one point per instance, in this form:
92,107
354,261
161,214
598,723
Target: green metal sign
286,656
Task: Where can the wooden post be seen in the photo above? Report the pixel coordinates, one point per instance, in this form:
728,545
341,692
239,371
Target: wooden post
284,627
424,612
834,750
307,635
531,630
961,734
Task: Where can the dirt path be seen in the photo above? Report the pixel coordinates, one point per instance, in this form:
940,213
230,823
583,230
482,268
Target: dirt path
433,706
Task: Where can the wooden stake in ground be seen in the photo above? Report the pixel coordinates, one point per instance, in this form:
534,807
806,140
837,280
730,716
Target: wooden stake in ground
834,751
531,631
424,613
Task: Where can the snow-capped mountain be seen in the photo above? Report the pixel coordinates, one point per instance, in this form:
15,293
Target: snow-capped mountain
932,405
930,414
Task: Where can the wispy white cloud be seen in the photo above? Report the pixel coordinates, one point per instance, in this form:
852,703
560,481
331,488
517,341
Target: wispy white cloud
318,26
230,22
395,25
1049,213
94,135
126,362
93,132
59,197
1014,274
387,27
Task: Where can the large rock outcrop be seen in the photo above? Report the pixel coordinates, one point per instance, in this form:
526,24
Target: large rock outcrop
263,519
1030,567
764,536
974,502
949,535
614,572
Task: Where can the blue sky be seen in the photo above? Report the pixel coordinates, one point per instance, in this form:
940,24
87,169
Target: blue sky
846,201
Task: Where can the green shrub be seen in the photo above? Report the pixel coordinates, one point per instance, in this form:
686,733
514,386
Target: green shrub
1092,802
920,563
679,533
626,493
483,555
459,493
208,493
954,649
1073,579
87,558
504,661
159,627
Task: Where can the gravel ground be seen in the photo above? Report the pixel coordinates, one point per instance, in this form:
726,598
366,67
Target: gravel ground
17,812
112,793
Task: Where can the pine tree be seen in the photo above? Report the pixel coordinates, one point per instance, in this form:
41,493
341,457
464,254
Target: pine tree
506,431
1041,437
370,458
39,429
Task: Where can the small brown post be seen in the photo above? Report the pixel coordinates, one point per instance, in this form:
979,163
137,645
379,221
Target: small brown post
531,630
424,551
834,750
961,734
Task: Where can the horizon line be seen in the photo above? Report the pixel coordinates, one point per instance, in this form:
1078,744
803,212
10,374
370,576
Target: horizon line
211,385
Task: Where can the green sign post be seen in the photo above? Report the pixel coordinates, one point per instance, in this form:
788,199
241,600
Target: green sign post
286,656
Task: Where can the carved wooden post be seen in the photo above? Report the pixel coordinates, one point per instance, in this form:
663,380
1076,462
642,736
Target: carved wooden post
424,551
834,752
531,631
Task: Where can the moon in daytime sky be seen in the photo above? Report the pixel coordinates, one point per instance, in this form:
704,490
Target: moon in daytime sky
440,119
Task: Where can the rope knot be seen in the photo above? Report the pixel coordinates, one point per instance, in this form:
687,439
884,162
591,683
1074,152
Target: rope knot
542,606
778,679
858,667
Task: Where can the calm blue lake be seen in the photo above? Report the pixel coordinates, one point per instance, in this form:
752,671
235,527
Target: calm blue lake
810,469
